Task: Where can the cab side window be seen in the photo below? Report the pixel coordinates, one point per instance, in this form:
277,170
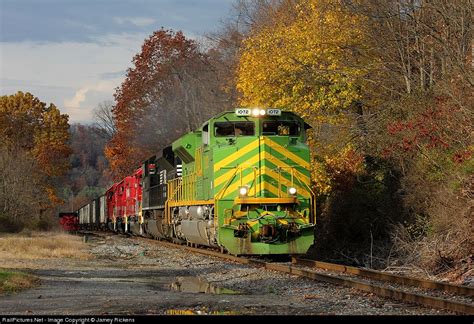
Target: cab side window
205,135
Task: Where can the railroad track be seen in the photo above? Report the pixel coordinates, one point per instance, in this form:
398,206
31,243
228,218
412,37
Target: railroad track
378,283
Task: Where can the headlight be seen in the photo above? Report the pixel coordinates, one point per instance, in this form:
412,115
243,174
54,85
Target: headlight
292,191
243,191
262,112
256,112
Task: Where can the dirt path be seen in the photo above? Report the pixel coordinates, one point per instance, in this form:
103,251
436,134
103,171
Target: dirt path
128,276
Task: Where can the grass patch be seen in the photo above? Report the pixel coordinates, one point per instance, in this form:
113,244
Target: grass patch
42,246
11,282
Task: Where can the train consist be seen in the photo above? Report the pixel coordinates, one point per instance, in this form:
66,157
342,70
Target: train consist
241,182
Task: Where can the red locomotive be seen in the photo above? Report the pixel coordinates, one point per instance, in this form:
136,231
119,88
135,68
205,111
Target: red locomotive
118,209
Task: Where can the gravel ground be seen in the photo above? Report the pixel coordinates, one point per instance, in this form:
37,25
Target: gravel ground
140,276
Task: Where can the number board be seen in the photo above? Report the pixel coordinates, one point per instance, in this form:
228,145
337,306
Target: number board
243,112
273,112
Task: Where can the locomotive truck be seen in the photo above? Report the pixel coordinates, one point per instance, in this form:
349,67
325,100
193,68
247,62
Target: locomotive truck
240,182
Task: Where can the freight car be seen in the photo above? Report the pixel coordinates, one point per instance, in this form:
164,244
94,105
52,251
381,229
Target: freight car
93,216
69,221
240,182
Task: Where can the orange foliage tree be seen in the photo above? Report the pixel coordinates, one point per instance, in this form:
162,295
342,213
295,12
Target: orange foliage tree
171,89
160,53
41,131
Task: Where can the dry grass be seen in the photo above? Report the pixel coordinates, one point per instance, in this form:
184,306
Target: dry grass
441,244
42,246
15,281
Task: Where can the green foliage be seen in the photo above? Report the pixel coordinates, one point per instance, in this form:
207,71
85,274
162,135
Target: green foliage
351,217
91,192
12,281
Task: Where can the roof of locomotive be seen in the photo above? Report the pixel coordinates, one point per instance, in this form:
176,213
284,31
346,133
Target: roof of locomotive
232,112
219,115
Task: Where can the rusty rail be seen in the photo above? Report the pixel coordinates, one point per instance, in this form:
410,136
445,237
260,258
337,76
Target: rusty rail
388,277
387,292
397,294
393,293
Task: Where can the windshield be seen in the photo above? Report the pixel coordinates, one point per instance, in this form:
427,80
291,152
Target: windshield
281,128
223,129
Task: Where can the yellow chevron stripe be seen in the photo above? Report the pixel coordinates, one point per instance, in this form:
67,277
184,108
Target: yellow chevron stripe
286,152
284,181
268,186
233,187
265,186
237,154
265,170
274,190
282,164
224,177
247,180
274,174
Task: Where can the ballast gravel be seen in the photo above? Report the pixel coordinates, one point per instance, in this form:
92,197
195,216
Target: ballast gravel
302,296
132,275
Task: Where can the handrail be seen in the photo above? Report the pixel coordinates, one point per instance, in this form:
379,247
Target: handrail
313,199
281,180
221,192
184,189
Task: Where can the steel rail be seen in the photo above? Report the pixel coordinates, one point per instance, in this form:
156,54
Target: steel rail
387,292
388,277
293,269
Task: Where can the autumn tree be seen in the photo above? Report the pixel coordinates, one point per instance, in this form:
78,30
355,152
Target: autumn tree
419,119
225,44
39,133
387,86
89,174
104,120
22,193
172,88
305,59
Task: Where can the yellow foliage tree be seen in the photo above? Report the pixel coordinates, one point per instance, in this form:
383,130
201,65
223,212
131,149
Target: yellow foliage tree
306,61
29,125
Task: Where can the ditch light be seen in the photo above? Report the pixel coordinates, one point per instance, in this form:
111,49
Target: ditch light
243,191
292,191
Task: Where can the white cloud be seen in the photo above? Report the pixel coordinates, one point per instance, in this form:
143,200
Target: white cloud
79,97
69,74
137,21
79,24
73,105
75,76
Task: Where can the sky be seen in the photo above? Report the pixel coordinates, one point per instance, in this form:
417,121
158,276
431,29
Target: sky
74,53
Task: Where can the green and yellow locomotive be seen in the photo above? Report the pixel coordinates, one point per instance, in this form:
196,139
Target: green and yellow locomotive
240,182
